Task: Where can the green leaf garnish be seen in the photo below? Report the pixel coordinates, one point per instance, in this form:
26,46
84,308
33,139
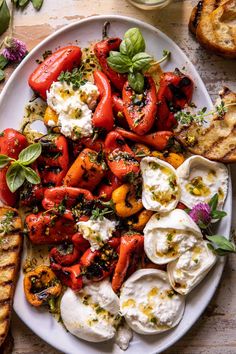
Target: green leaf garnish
15,177
31,175
100,213
141,60
132,43
74,77
220,245
4,16
30,154
118,62
37,4
136,81
4,160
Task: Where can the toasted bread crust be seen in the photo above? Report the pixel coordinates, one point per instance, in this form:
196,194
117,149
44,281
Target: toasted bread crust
213,24
218,141
10,251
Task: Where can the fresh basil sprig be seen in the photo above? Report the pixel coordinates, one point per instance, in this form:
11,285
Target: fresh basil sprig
4,16
220,245
19,171
132,59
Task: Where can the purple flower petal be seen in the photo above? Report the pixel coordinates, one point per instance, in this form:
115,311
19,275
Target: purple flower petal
15,50
201,213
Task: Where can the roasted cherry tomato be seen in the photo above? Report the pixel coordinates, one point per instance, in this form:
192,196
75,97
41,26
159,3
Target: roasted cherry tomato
140,109
63,59
120,158
102,50
11,144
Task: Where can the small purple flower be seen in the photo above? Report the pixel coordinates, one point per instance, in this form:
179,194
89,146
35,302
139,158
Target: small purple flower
201,214
15,50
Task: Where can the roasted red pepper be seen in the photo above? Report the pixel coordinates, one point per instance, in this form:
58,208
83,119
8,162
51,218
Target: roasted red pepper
102,50
140,109
118,110
120,158
11,144
80,243
46,228
103,116
62,199
96,145
54,160
65,254
69,276
99,264
175,91
158,140
63,59
109,184
130,244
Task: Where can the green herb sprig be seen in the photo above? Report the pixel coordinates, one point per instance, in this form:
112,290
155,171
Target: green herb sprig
75,77
186,117
132,59
100,213
18,170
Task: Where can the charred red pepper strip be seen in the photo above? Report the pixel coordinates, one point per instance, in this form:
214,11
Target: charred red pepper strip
69,196
96,145
65,254
99,264
69,276
120,158
102,50
63,59
103,116
54,160
109,184
130,244
175,91
80,243
140,109
46,228
118,110
158,140
11,144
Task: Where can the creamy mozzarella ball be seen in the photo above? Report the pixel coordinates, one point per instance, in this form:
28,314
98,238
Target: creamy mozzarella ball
168,236
148,302
160,185
123,336
74,108
200,179
92,313
191,268
97,232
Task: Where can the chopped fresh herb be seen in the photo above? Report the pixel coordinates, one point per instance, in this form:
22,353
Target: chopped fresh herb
100,213
74,77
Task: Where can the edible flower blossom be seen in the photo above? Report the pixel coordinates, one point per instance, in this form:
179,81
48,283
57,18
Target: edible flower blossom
15,50
201,214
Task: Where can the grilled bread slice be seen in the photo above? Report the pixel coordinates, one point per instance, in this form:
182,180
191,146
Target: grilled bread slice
213,23
217,141
10,251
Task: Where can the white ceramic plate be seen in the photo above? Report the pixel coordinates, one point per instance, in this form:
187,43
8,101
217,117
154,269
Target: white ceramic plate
15,96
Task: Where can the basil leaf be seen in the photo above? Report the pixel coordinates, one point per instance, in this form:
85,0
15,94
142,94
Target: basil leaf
141,61
23,3
214,202
4,17
37,4
30,154
118,62
3,62
218,214
136,82
2,75
31,175
221,243
4,160
132,43
15,177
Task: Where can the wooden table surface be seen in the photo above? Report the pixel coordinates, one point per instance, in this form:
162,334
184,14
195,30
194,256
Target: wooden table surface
214,333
